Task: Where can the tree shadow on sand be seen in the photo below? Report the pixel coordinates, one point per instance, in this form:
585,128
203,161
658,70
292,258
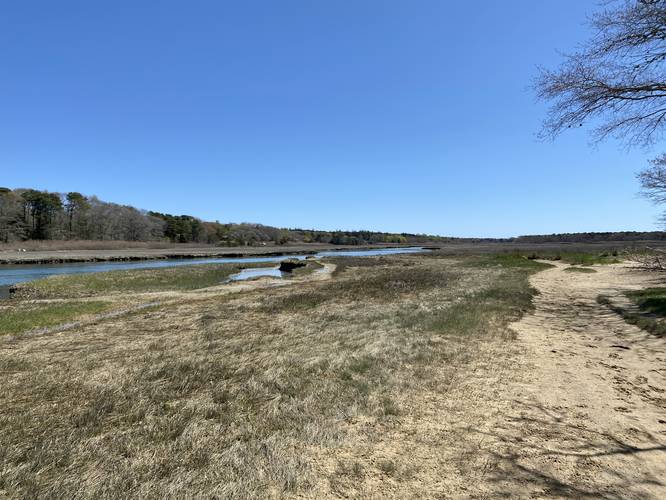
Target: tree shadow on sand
541,453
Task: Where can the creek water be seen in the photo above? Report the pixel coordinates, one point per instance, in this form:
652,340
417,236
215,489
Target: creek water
11,274
256,272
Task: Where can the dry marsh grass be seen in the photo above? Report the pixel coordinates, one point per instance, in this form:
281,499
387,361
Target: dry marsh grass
187,277
58,245
313,391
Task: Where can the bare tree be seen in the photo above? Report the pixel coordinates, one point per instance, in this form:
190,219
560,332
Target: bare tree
653,182
617,80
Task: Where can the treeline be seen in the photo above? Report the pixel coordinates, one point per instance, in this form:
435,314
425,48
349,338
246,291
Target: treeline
592,237
39,215
351,237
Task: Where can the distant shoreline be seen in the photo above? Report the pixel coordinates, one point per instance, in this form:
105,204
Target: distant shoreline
13,257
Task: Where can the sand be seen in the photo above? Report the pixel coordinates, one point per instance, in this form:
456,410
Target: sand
589,419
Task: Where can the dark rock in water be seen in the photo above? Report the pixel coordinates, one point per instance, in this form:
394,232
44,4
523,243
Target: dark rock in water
20,291
290,264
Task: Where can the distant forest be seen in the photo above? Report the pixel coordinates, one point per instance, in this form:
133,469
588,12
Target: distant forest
29,214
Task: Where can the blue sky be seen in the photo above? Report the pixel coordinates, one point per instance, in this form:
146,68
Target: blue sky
411,116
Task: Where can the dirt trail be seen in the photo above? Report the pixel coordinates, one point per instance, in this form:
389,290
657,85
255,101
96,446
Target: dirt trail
589,420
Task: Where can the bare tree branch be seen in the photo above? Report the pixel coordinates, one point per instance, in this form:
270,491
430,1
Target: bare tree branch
617,80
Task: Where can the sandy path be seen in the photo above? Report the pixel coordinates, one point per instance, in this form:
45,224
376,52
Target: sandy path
589,420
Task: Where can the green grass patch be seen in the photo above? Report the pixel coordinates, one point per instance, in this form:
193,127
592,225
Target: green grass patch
650,300
651,303
578,258
31,317
514,261
487,311
291,302
390,283
344,263
133,281
585,270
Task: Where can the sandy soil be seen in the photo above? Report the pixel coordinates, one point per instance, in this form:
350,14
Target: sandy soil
589,420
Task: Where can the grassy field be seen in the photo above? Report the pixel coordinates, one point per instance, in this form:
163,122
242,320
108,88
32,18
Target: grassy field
133,281
296,390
